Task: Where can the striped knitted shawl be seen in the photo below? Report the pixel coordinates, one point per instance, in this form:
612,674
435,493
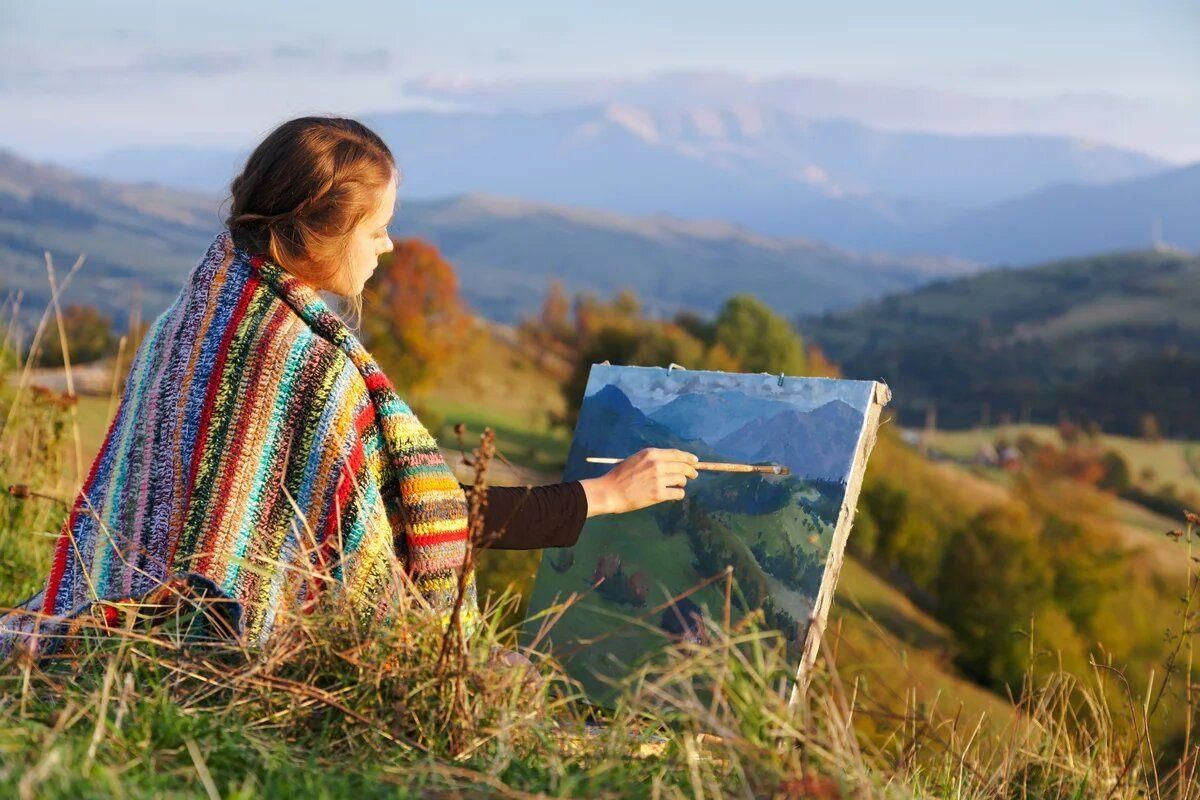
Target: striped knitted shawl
257,443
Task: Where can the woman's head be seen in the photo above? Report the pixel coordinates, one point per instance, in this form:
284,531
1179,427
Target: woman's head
316,197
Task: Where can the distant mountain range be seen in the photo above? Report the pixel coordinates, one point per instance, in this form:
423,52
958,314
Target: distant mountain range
505,251
769,169
1109,338
884,105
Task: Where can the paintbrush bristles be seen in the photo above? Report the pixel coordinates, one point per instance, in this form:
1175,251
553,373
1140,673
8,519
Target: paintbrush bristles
714,466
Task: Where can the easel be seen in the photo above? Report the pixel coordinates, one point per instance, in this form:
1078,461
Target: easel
881,395
837,549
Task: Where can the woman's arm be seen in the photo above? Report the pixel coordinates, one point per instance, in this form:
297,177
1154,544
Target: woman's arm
534,517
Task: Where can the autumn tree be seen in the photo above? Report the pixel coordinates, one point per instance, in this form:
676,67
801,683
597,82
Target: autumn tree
992,582
617,332
555,317
746,336
1118,477
1150,429
550,336
89,337
627,303
416,318
760,339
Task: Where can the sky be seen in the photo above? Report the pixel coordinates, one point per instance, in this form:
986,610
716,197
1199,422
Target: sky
77,79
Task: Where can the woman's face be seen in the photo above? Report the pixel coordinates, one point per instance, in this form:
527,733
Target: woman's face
368,242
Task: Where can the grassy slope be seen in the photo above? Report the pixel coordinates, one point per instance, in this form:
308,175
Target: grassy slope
1051,303
1140,531
881,638
495,384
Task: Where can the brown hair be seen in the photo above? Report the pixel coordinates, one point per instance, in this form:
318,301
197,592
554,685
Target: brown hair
304,189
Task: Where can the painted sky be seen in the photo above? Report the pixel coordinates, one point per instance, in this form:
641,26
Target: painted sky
78,78
650,388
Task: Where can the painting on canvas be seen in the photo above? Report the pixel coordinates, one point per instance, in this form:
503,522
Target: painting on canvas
782,535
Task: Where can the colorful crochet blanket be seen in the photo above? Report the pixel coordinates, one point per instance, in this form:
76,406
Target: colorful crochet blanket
258,449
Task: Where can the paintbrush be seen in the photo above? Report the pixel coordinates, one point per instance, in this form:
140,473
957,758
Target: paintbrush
715,466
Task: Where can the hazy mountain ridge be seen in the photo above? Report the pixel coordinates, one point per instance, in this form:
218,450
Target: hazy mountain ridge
506,251
127,232
1071,220
882,105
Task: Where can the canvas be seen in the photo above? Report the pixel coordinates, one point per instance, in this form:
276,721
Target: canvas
782,535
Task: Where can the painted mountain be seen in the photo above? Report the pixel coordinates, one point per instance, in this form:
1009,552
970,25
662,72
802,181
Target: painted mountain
696,415
775,531
615,428
822,440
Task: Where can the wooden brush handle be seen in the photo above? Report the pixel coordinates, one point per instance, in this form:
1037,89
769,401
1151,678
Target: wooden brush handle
717,466
713,466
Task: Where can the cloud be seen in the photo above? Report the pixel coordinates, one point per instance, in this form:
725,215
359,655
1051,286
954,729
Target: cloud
188,64
29,75
290,57
377,59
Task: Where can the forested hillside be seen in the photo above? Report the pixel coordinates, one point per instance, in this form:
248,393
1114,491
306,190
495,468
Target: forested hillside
1111,339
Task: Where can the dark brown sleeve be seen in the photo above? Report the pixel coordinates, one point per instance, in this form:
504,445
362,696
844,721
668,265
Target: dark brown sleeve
533,517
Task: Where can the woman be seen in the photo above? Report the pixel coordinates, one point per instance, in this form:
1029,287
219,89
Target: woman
260,456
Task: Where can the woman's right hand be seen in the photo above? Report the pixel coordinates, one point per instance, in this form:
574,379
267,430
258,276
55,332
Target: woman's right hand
647,477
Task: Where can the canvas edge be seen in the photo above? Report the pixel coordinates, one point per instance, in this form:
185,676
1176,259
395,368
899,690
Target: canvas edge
537,575
880,396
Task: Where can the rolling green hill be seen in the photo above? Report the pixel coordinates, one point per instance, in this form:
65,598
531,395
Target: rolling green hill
1110,339
130,234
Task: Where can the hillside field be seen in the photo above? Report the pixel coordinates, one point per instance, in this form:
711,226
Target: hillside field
880,636
1153,464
